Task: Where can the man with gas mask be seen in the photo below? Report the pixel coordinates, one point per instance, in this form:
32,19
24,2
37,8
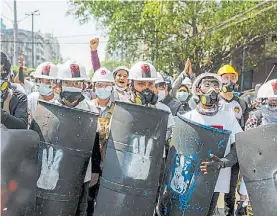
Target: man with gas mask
239,107
14,104
71,75
103,105
207,88
163,87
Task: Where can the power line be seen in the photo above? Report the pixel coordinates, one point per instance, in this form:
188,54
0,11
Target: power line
9,6
6,17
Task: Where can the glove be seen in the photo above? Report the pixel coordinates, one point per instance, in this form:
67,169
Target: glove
213,165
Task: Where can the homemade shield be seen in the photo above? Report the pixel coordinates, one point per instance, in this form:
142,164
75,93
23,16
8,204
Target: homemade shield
133,159
186,191
256,150
66,142
19,150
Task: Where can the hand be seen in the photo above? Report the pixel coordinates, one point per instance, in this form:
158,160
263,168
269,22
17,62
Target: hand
213,165
49,175
20,61
139,166
94,179
94,44
187,65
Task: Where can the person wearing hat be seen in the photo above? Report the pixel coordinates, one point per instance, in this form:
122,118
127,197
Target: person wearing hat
103,81
14,114
120,75
229,101
206,88
163,88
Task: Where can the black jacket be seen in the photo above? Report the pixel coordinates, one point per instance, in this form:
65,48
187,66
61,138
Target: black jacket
18,117
174,105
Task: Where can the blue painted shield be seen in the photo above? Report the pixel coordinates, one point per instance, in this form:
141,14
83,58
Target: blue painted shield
186,191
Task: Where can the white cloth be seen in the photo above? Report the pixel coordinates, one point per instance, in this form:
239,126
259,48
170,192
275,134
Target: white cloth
84,105
242,189
232,106
28,86
227,120
33,102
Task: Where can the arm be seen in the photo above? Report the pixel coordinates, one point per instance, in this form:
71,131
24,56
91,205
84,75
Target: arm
20,118
94,55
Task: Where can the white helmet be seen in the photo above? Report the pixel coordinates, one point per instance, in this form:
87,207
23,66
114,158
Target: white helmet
160,78
268,90
143,71
187,82
46,70
120,68
198,79
102,75
72,71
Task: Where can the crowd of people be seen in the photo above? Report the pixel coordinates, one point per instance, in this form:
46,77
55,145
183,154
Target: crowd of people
207,99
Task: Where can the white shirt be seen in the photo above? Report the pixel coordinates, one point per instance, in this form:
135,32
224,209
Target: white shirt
20,88
232,106
84,105
28,86
227,120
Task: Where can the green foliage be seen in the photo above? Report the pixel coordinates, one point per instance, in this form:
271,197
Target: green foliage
176,30
111,64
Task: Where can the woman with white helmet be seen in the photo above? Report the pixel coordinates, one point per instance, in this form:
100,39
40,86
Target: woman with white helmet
120,75
206,88
103,105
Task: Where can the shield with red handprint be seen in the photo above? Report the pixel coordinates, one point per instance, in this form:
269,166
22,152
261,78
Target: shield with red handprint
46,70
75,70
145,71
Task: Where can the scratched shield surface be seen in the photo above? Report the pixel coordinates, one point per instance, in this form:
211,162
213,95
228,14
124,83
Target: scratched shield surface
19,150
66,142
186,191
133,159
256,149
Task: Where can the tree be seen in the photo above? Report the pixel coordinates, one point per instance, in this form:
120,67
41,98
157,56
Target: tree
111,64
210,33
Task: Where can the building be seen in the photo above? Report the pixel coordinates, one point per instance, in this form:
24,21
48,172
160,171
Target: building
52,48
42,52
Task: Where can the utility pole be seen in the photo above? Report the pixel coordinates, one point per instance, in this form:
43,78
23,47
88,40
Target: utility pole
36,12
15,34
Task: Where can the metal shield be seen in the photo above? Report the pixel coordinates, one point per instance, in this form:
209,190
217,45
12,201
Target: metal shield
133,159
19,150
66,142
257,154
186,191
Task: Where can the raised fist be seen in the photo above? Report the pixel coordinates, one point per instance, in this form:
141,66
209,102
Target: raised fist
20,61
94,44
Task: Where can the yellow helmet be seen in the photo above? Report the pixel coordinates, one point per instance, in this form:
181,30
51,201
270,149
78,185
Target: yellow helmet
227,69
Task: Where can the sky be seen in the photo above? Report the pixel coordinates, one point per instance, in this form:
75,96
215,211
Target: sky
53,19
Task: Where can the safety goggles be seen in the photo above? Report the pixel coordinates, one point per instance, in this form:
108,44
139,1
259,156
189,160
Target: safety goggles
206,84
226,78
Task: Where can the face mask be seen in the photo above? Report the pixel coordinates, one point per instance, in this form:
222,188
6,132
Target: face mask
182,96
147,97
210,98
228,87
71,94
44,90
161,95
102,93
119,88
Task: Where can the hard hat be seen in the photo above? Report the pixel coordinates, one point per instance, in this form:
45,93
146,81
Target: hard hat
102,75
187,81
72,71
120,68
143,71
268,90
227,69
199,79
160,79
46,70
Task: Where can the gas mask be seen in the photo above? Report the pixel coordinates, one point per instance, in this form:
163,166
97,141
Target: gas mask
146,97
228,87
71,94
210,98
5,85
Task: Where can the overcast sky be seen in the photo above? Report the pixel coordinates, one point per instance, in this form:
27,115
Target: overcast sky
53,19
